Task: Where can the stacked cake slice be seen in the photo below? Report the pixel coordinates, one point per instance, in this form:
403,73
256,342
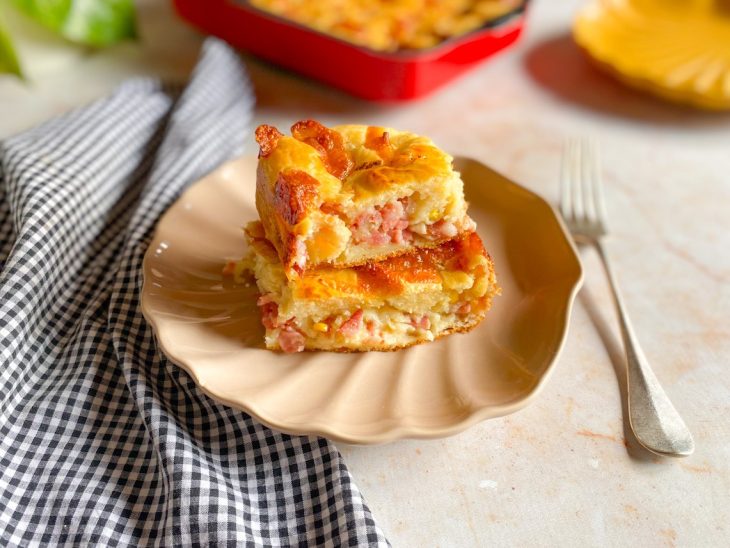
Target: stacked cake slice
364,241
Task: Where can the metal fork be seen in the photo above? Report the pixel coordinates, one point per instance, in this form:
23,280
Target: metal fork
653,419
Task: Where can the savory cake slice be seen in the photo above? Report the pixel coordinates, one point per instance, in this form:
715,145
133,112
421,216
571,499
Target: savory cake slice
401,301
353,194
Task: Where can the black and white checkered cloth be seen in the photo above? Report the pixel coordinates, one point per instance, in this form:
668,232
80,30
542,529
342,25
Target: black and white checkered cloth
103,441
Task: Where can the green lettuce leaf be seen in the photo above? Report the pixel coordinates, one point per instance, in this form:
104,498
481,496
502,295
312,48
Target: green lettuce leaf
8,59
89,22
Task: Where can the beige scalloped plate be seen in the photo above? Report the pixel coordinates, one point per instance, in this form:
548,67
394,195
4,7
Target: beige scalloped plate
211,327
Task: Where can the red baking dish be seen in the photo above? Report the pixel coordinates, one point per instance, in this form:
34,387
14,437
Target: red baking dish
358,70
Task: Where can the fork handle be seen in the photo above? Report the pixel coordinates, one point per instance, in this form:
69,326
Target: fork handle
654,420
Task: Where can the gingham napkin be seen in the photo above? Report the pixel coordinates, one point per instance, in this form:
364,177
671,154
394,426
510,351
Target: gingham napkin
103,441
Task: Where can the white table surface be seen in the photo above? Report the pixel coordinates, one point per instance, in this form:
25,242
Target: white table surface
560,471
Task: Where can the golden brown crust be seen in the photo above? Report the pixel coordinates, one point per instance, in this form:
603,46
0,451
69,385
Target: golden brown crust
328,143
291,249
378,139
267,137
419,265
352,165
294,193
396,24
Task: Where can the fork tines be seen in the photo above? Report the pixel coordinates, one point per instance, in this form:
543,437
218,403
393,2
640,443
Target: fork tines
581,190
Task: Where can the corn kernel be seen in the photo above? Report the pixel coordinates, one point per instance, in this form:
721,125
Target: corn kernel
457,280
480,288
321,327
476,261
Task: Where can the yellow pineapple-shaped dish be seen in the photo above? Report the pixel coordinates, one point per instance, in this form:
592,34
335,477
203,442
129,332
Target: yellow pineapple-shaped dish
676,49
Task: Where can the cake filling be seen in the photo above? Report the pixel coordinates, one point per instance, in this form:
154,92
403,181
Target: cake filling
391,224
381,326
380,225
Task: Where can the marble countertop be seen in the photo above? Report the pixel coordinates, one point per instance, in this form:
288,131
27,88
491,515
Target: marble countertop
565,470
